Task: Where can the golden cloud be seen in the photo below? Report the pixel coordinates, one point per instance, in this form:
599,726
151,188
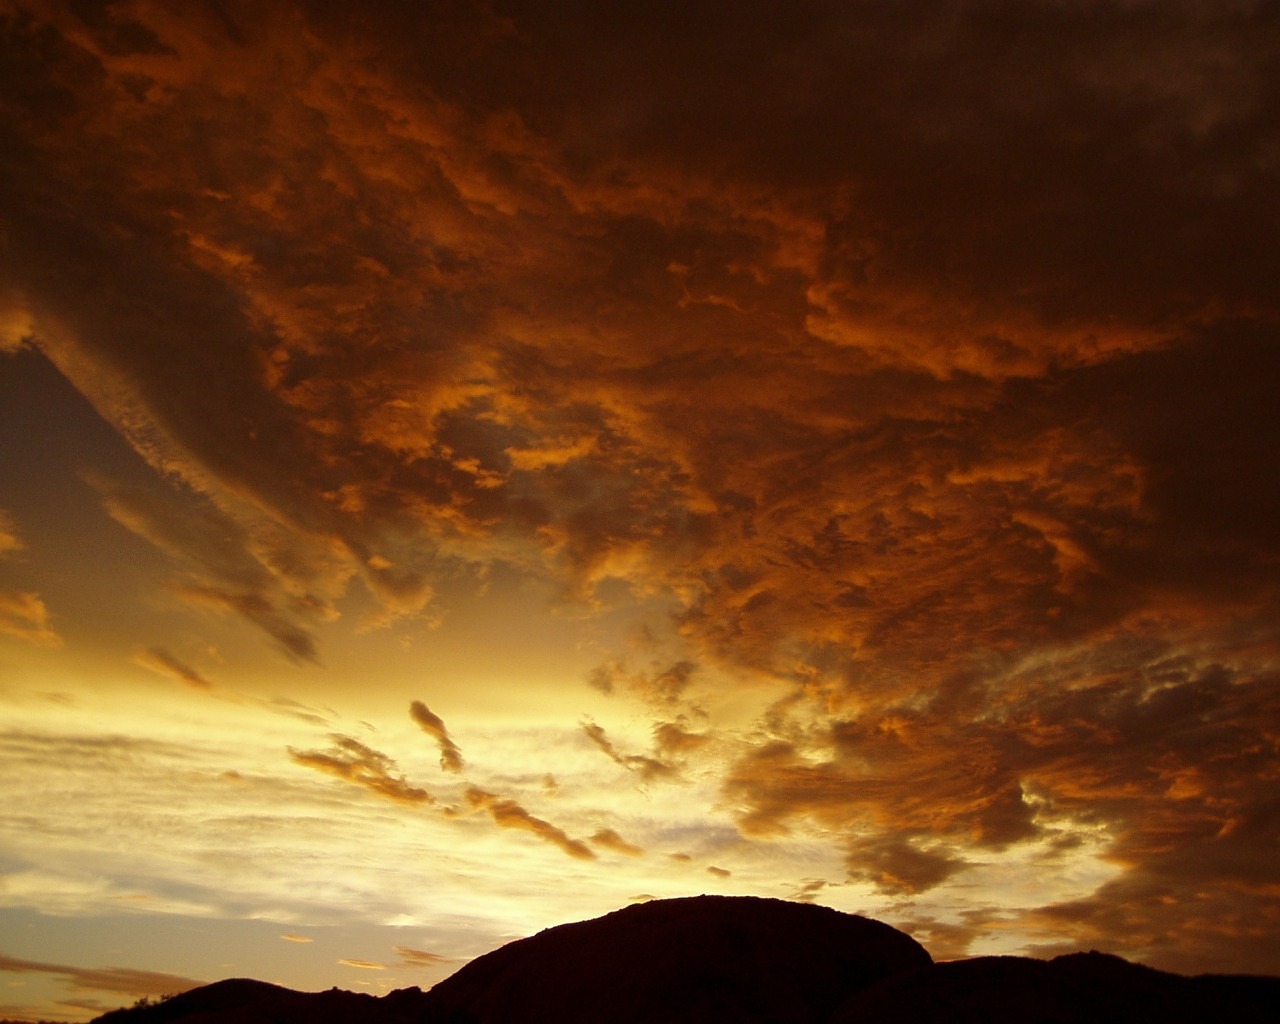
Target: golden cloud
433,726
158,660
351,760
24,615
509,814
123,980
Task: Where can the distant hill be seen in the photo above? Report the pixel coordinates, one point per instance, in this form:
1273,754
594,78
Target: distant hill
742,960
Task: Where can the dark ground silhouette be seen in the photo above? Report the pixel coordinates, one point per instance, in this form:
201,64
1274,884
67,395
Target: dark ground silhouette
743,960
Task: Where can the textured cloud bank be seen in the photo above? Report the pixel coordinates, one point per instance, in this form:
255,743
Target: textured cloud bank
919,357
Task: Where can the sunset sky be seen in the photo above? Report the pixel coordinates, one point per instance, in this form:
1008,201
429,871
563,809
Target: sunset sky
467,466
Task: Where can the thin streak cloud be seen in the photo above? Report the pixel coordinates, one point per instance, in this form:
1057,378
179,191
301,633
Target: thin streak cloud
371,769
509,814
162,662
120,980
433,726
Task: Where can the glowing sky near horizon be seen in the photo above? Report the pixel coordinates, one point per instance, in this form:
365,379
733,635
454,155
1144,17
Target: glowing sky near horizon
464,467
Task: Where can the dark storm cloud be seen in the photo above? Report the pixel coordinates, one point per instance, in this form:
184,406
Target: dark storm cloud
839,423
919,355
1199,420
433,726
1062,157
351,760
124,980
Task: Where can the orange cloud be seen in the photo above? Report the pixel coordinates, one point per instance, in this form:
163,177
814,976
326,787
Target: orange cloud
510,814
162,662
608,839
941,403
420,957
364,965
433,726
9,539
808,891
24,615
648,768
351,760
123,980
898,867
671,738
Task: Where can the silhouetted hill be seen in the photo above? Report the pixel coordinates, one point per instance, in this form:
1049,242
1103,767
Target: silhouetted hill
243,1001
701,959
741,960
1083,988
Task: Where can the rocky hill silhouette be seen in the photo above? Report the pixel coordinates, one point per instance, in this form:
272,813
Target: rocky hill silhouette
744,960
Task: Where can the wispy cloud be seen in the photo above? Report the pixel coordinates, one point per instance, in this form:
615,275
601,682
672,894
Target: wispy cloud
351,760
410,957
672,739
9,539
276,582
24,615
898,866
648,768
608,839
124,980
163,663
364,965
433,726
510,814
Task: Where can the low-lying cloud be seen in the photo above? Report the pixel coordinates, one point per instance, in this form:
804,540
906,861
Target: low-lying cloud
122,980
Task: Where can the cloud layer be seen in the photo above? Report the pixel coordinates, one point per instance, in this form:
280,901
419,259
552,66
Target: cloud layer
916,363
